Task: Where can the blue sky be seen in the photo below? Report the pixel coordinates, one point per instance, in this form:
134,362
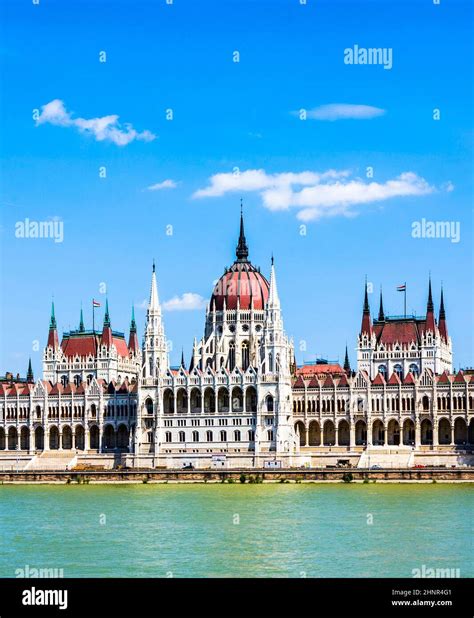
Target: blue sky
230,115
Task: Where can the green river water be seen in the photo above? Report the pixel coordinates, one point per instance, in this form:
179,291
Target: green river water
266,530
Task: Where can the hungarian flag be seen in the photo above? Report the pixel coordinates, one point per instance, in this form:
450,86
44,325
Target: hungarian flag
95,303
401,288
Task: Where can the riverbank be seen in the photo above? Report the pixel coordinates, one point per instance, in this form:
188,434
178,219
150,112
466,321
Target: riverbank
341,475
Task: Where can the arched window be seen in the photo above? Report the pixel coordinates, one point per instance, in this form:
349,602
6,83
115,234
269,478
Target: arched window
223,436
237,435
383,370
398,370
195,436
168,436
77,380
245,355
89,378
414,369
251,435
182,437
269,402
270,363
64,381
209,436
231,355
149,406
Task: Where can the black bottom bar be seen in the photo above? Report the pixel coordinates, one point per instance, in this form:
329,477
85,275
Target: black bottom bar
242,598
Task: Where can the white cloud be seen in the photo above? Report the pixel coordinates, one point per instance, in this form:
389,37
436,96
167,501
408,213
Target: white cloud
106,128
313,194
187,302
143,304
166,184
343,111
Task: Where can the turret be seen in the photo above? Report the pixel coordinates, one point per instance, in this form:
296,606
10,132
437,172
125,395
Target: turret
106,338
430,318
29,375
53,341
347,365
381,317
442,325
133,344
366,326
81,322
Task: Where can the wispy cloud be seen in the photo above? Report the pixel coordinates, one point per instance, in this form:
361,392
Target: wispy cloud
105,128
166,184
343,111
189,301
315,195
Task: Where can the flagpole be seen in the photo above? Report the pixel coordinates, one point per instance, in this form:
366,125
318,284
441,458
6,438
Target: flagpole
405,299
93,317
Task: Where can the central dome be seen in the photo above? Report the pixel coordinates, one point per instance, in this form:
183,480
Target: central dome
242,284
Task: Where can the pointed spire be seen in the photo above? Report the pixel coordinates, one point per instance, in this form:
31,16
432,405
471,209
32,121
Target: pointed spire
430,319
443,328
273,299
29,375
53,341
106,316
366,326
133,344
81,322
242,251
52,323
182,358
347,365
430,306
154,303
381,317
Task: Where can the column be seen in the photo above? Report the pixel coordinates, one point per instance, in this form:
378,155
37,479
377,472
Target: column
436,433
351,433
216,400
60,431
86,438
369,431
306,432
417,433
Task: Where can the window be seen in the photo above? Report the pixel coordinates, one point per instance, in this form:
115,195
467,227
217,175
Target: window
269,401
64,381
77,380
209,436
414,369
383,370
149,406
398,370
231,356
168,436
245,355
251,435
181,436
195,436
270,434
237,435
223,436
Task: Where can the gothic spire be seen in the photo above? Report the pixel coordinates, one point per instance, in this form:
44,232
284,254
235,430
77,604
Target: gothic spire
52,323
133,344
29,375
347,365
81,322
366,326
154,303
443,327
273,298
133,324
182,358
242,251
107,316
381,317
430,306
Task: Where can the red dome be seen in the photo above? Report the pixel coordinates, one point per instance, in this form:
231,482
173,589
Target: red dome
244,282
241,281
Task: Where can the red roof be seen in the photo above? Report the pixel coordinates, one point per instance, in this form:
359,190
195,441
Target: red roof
402,332
409,378
299,383
241,282
444,378
328,382
460,378
319,369
394,379
87,344
378,380
343,380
